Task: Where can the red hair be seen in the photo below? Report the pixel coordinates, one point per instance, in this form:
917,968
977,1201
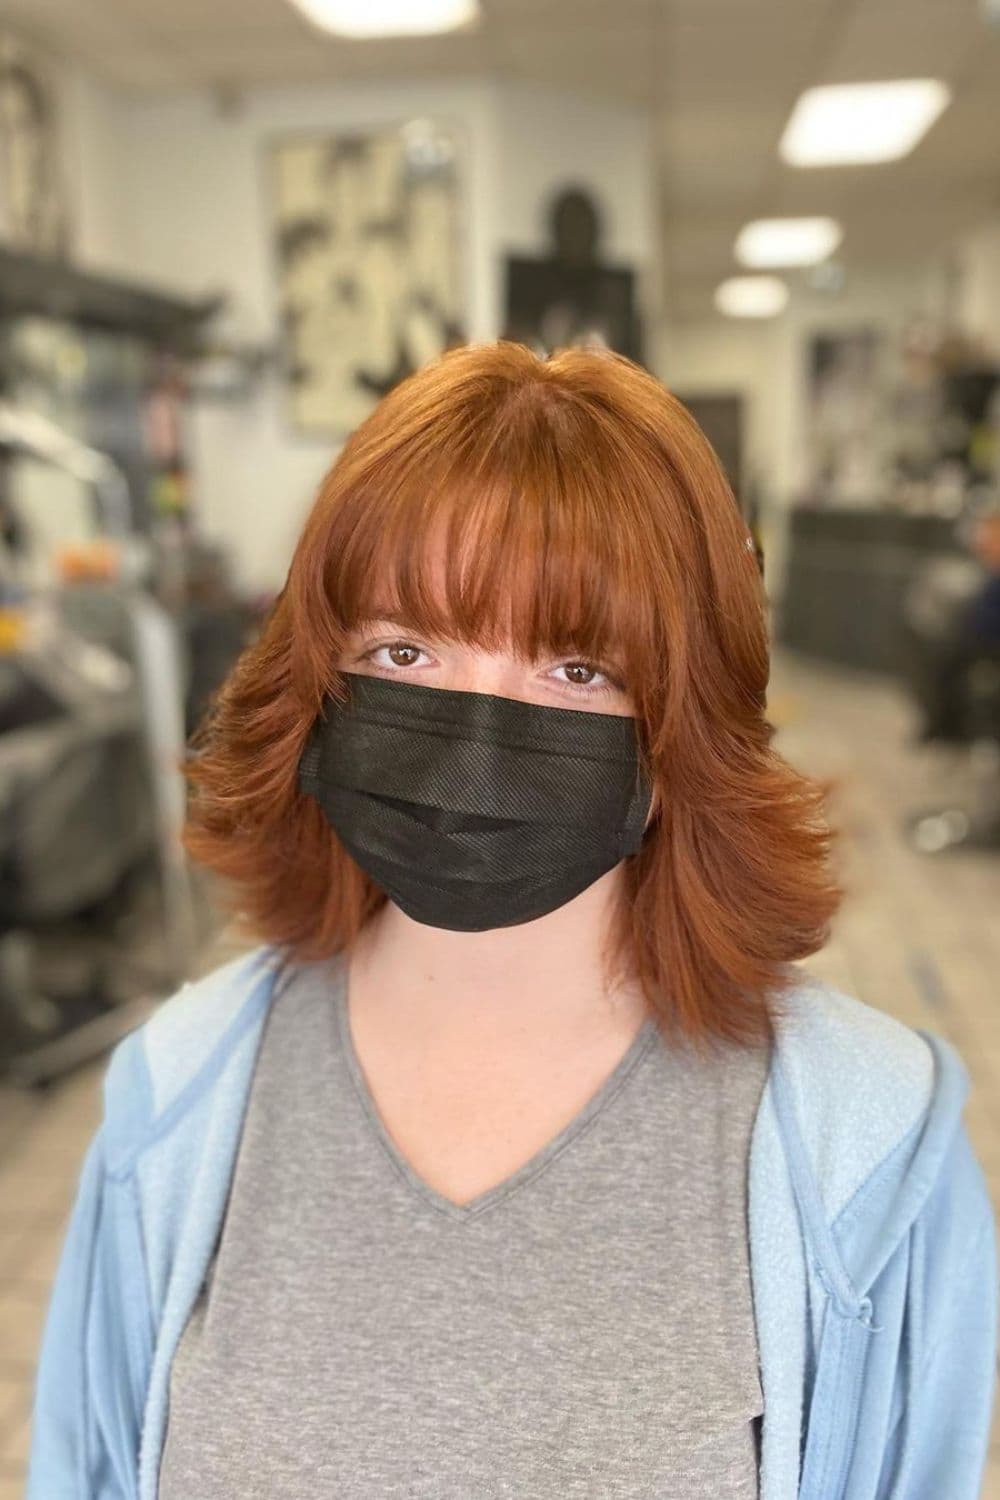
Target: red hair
583,511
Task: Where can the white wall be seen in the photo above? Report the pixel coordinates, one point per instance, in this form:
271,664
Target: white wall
194,182
726,356
187,184
978,292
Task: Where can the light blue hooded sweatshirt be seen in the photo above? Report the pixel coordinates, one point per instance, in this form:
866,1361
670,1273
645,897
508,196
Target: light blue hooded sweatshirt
873,1251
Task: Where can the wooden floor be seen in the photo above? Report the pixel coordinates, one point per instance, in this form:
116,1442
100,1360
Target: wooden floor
918,937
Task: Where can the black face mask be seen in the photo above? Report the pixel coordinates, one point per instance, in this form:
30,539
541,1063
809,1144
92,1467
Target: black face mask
470,810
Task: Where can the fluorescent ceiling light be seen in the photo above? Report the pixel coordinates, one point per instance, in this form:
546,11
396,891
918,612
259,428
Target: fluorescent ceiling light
848,123
751,297
371,18
787,242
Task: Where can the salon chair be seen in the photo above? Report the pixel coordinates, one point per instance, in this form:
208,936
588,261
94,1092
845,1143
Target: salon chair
94,924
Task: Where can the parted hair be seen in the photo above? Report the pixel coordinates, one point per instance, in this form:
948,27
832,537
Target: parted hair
568,503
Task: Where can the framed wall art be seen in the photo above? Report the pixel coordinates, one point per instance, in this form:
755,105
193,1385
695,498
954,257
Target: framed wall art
369,255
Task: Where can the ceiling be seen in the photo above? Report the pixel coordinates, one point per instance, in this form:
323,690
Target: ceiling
719,77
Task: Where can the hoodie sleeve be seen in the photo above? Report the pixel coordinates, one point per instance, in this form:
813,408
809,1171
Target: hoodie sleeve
938,1446
84,1430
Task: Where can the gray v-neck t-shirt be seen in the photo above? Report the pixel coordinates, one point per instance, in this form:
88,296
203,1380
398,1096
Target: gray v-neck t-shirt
584,1328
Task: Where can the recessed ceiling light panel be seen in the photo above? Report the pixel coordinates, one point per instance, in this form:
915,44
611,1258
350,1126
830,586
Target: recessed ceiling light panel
751,297
382,18
856,123
768,243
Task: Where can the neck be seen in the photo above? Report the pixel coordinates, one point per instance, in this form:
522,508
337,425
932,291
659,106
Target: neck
547,975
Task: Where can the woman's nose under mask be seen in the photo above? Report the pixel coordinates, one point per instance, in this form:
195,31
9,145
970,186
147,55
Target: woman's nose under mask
470,810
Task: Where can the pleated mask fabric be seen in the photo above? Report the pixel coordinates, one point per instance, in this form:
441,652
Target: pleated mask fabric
472,810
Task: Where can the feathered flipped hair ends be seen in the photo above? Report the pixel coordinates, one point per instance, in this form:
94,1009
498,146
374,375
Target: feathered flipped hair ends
549,505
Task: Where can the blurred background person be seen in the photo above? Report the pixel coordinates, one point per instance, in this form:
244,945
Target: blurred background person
945,653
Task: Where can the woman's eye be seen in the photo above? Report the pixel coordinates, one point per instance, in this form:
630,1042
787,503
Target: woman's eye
405,649
583,675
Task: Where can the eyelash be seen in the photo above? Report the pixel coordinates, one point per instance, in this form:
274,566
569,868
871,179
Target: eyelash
577,689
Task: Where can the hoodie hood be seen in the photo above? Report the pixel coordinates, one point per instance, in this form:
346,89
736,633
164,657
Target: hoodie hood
855,1127
919,1121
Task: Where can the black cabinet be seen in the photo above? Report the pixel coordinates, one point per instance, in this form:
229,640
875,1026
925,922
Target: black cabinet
847,575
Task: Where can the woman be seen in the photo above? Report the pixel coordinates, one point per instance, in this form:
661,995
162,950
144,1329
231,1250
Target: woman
519,1158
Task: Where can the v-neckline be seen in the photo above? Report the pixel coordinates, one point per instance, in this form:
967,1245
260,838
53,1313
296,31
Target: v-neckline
521,1175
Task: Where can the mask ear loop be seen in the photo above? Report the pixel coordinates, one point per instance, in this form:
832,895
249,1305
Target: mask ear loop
638,810
310,760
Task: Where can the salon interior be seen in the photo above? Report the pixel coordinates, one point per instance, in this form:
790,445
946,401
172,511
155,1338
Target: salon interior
227,229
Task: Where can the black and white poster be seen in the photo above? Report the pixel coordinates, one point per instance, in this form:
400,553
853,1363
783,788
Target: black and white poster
369,255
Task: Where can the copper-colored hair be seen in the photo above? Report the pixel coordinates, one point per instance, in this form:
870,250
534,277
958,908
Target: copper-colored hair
584,511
